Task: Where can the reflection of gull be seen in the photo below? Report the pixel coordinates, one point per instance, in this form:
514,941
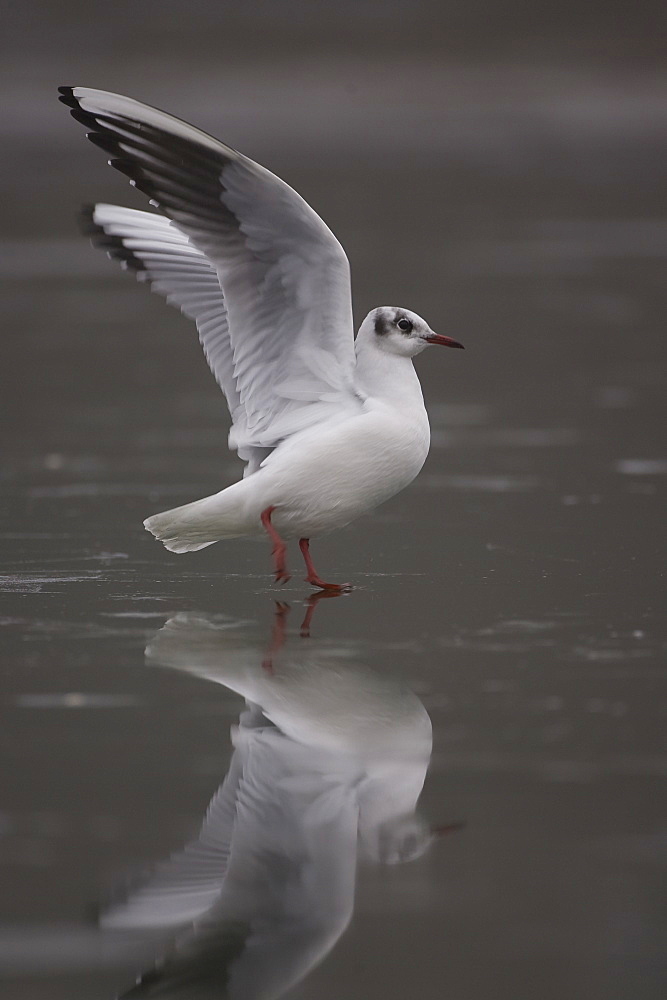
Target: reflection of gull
329,428
328,756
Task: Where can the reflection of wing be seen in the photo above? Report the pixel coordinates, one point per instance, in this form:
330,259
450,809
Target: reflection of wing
284,276
199,970
288,891
188,884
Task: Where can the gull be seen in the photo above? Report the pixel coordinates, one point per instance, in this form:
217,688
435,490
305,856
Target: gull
329,762
328,426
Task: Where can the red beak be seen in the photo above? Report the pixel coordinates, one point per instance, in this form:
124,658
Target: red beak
436,338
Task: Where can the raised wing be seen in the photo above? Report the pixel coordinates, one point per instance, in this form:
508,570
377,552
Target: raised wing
159,253
284,276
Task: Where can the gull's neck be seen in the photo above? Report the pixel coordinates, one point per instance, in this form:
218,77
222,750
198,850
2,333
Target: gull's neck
389,377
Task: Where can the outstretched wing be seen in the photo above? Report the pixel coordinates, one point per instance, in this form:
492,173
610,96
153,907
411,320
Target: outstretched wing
284,276
160,254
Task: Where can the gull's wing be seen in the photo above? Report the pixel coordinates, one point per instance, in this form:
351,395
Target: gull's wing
163,256
285,277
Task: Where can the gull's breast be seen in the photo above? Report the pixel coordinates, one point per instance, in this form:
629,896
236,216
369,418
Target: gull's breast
327,476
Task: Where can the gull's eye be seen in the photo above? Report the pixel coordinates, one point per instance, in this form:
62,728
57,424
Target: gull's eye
405,325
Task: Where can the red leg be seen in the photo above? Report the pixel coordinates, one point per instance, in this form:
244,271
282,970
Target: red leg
279,548
312,576
312,603
277,635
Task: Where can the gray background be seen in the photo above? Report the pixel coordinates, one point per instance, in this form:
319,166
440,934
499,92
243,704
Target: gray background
499,168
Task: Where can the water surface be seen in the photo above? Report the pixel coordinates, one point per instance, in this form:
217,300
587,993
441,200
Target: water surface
514,589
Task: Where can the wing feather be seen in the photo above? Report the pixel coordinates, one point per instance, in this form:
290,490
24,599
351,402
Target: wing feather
161,255
284,276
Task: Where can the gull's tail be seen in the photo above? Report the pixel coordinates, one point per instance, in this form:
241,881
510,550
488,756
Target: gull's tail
202,522
179,529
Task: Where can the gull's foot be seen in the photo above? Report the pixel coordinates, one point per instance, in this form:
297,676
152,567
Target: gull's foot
313,578
330,588
280,565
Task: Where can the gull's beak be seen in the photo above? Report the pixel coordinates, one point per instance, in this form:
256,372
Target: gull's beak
436,338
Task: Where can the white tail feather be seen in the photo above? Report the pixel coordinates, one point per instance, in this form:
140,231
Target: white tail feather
174,535
203,522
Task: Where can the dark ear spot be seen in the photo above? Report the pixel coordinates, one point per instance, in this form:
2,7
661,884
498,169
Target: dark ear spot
381,325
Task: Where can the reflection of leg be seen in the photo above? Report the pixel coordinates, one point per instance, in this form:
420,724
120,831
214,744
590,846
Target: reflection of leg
277,635
312,575
279,547
312,603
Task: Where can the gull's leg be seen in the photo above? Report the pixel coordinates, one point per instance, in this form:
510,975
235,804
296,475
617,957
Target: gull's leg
279,547
312,577
277,635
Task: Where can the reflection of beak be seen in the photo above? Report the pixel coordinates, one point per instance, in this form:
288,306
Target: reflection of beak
440,831
436,338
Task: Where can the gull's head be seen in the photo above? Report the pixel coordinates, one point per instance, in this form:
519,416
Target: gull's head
401,839
400,331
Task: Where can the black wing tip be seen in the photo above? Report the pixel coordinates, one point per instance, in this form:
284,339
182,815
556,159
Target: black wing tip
83,117
130,143
67,97
70,101
102,139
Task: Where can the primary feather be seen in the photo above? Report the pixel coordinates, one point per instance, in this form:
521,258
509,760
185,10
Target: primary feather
283,274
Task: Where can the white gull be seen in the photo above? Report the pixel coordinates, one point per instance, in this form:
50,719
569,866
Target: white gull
329,427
